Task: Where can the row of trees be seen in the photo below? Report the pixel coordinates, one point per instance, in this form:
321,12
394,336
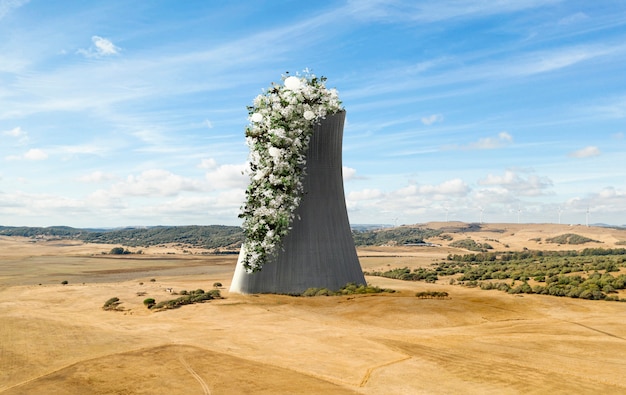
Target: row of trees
574,274
597,286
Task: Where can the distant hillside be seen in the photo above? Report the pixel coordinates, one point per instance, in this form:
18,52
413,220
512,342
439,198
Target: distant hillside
25,231
212,236
394,236
496,237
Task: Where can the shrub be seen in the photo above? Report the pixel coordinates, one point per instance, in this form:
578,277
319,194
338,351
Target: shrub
119,251
64,282
111,304
431,295
348,289
217,285
197,296
149,302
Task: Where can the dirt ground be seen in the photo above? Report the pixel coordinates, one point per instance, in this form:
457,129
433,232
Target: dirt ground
57,339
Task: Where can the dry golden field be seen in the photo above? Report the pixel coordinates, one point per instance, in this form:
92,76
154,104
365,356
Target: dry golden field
57,339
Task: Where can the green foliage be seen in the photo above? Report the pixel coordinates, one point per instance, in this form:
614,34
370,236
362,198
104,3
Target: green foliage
561,273
191,297
119,251
570,238
398,235
25,231
149,302
213,236
64,282
432,294
217,285
348,289
419,274
112,304
471,245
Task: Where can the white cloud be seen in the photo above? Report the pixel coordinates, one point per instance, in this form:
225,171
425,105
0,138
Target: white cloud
7,6
227,176
35,154
586,152
155,182
429,120
510,181
348,173
101,47
574,18
392,11
365,194
31,154
503,139
15,132
208,164
455,187
18,133
96,177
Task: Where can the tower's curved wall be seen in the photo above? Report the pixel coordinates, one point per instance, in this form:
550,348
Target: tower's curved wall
319,250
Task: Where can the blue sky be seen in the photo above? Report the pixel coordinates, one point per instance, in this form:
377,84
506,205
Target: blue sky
118,113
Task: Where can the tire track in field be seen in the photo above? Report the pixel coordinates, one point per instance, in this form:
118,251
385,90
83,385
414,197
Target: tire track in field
203,384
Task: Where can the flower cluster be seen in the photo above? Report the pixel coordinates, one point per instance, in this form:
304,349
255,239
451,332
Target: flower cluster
281,124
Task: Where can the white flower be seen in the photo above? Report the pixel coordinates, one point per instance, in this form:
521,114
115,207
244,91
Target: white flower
275,152
256,117
293,83
308,115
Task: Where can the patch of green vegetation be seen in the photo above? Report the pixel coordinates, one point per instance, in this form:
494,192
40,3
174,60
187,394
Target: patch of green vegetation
404,273
149,302
348,289
212,236
469,244
570,238
582,274
432,295
112,304
399,235
191,297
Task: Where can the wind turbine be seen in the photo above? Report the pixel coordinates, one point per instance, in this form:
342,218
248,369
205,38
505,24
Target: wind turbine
560,211
482,210
587,217
519,211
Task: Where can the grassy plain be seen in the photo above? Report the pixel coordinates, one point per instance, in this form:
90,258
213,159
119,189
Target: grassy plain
56,338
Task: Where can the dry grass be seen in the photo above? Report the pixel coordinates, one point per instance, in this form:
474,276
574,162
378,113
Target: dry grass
56,338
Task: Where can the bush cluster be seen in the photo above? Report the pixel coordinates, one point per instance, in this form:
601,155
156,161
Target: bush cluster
404,273
560,273
471,245
596,287
189,297
431,295
112,304
348,289
570,238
